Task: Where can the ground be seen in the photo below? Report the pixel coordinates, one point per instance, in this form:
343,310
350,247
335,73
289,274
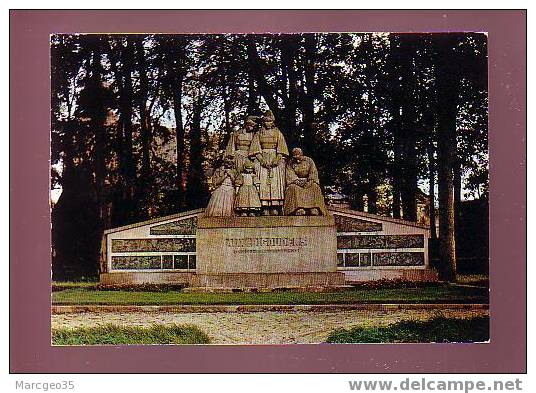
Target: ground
271,327
268,318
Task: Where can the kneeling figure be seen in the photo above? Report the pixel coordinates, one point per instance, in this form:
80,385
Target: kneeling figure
303,195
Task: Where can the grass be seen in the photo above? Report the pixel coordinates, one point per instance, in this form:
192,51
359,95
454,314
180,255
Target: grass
63,285
435,294
121,335
438,329
481,280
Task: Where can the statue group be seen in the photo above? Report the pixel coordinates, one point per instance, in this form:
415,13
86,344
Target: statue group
258,177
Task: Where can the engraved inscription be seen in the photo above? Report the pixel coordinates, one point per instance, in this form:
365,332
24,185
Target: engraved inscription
255,245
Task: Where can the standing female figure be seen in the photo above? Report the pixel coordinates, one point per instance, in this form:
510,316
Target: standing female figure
269,149
239,143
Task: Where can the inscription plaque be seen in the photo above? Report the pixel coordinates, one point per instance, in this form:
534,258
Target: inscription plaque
286,244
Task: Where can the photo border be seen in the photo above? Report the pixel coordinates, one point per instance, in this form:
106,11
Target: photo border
30,237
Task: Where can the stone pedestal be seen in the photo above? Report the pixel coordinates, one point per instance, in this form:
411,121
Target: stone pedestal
271,251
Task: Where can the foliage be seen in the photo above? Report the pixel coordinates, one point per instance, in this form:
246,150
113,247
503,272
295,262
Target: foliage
125,335
435,330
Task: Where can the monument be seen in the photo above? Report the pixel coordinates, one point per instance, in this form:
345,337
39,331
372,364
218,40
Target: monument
265,227
278,232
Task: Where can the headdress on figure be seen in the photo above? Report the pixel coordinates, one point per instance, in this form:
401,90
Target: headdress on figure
297,152
268,116
251,120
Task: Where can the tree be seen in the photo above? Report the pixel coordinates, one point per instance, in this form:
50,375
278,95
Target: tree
447,83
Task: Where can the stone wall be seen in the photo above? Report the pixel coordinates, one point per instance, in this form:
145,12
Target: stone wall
368,247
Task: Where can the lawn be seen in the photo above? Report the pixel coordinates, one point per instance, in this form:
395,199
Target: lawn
121,335
433,294
437,330
63,285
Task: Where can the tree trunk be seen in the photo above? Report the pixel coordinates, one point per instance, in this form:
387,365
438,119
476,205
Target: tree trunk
372,194
197,193
124,209
431,189
144,184
289,48
175,54
409,179
252,108
256,67
447,88
308,107
408,85
98,118
394,65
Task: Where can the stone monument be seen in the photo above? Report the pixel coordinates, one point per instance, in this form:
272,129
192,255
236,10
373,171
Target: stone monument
265,227
278,232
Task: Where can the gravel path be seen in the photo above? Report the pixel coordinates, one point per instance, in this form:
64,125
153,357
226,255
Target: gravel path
270,327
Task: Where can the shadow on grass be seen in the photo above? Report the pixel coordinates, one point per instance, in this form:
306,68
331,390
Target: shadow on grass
123,335
435,330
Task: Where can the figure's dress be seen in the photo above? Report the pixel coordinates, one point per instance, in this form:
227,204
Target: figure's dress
297,197
222,200
238,148
270,143
247,197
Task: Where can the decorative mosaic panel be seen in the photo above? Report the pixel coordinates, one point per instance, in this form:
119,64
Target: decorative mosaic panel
365,259
380,241
167,262
181,261
349,224
352,260
146,245
192,261
179,227
398,259
340,261
136,262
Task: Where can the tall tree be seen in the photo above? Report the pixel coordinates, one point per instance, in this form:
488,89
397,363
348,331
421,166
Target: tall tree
144,181
174,52
447,83
122,61
197,189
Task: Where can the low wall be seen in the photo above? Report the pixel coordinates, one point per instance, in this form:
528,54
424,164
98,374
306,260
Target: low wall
360,246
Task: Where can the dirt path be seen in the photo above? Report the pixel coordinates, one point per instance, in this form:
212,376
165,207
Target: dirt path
271,327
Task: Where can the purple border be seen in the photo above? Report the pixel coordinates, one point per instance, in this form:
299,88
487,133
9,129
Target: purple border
30,349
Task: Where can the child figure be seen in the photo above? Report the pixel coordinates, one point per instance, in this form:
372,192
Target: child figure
247,202
223,197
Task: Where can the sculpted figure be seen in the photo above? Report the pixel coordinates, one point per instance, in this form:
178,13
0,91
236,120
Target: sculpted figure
270,150
247,202
239,143
303,195
221,202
